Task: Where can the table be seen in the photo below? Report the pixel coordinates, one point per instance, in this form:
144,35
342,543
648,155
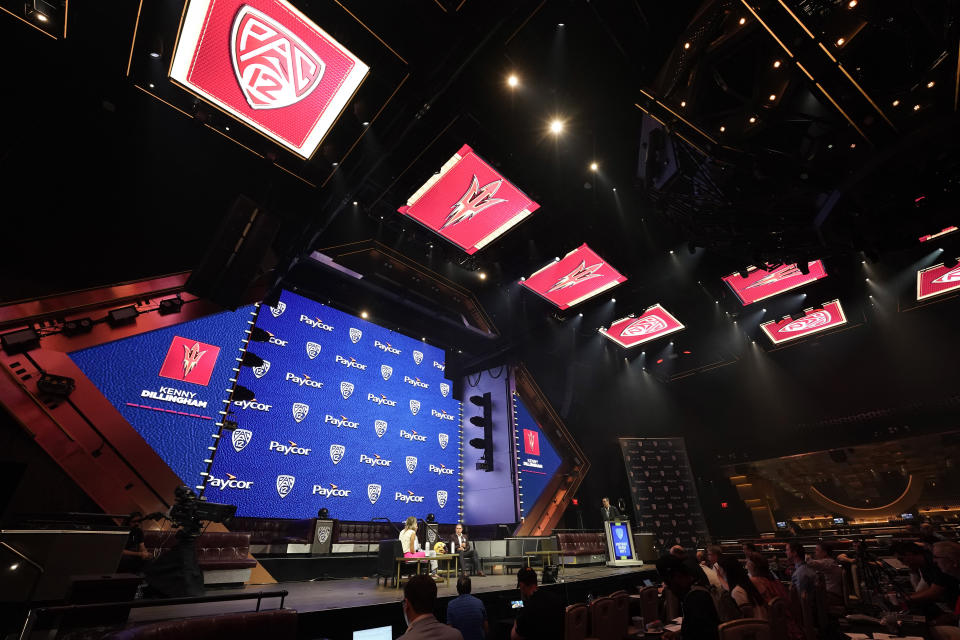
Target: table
440,557
546,557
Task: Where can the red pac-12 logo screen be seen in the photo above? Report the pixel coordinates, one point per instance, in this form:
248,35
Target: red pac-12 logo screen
531,442
189,361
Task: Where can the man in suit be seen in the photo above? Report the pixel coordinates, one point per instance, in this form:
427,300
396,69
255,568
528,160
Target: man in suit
608,511
419,601
460,544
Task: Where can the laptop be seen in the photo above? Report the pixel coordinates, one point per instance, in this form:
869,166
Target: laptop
378,633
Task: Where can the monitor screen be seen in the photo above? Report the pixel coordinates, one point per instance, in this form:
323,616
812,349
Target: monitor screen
620,535
516,604
838,521
781,524
906,516
377,633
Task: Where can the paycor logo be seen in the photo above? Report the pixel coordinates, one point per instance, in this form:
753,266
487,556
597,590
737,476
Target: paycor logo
412,436
443,415
416,382
385,346
230,482
407,497
441,470
341,422
333,491
288,449
381,400
305,380
252,404
351,363
439,365
375,461
316,323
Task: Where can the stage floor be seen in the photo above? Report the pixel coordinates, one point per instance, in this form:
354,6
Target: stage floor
307,597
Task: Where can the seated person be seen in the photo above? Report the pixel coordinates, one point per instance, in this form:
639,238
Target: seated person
936,586
700,619
947,557
708,570
758,568
746,596
411,545
824,562
135,555
541,617
419,602
803,577
460,544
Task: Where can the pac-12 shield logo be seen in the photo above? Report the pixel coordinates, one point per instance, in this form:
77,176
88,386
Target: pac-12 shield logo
300,410
323,534
313,350
189,361
240,439
262,369
346,389
417,357
444,389
414,407
386,371
278,310
285,485
373,492
336,452
274,68
411,463
444,439
442,498
355,335
380,426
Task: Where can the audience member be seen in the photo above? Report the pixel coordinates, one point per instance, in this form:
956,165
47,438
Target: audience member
824,562
699,575
708,570
758,568
747,601
748,547
929,535
135,557
466,613
700,619
419,600
541,617
933,585
714,553
946,555
803,577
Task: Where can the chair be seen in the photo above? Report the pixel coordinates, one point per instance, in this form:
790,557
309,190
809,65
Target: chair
278,624
745,629
601,620
575,622
806,617
779,618
650,604
620,619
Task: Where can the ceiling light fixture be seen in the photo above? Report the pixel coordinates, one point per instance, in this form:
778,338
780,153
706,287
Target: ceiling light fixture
686,45
896,103
916,107
840,42
773,97
513,80
776,64
556,126
743,21
753,119
594,166
930,84
722,128
363,314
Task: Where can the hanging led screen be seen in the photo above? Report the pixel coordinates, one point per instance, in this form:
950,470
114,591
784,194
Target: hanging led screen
632,331
579,275
760,284
813,321
938,280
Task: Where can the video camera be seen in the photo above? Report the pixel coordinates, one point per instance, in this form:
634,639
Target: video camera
189,512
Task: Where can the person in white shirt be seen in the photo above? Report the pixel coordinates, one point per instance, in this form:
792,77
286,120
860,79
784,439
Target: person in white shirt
411,545
710,572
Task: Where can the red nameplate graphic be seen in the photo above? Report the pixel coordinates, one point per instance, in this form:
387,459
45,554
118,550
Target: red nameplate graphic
531,442
581,274
189,361
469,203
631,331
813,321
268,65
935,281
760,284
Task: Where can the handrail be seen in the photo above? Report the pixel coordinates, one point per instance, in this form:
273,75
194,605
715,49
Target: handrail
23,556
33,614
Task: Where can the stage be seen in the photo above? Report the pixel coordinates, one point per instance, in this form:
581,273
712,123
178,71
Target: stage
335,608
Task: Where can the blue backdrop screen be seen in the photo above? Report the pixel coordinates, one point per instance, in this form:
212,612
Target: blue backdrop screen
347,415
537,460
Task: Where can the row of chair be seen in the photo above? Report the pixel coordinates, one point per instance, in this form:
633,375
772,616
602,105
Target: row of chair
605,618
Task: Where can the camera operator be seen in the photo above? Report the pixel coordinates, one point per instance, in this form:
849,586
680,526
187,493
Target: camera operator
135,556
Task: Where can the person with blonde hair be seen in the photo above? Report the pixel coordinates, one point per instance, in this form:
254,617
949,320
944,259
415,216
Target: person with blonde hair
411,545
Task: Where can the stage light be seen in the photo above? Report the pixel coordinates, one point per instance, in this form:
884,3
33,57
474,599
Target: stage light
365,123
556,127
867,279
41,17
683,103
916,107
483,276
355,203
896,103
722,129
686,45
227,128
852,4
613,299
260,335
122,316
594,166
614,189
764,310
930,84
853,145
773,97
840,42
154,54
752,119
743,21
20,341
803,267
671,251
170,305
364,315
513,81
151,85
250,359
776,64
560,25
334,164
77,326
724,505
242,393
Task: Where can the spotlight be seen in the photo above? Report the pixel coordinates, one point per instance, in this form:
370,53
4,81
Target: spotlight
364,315
513,81
896,103
722,129
483,276
852,4
579,315
250,359
853,145
916,107
151,85
753,119
614,189
77,326
560,25
334,164
613,299
260,335
355,203
41,17
154,54
930,84
683,103
840,42
797,316
365,123
170,305
556,126
686,45
743,21
776,64
594,166
241,393
744,273
122,316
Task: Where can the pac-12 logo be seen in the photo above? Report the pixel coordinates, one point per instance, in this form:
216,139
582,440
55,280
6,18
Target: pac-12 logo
285,485
336,452
444,389
444,439
418,357
278,310
414,407
442,498
313,350
373,492
411,463
300,410
346,389
240,438
386,371
262,369
355,335
189,361
380,426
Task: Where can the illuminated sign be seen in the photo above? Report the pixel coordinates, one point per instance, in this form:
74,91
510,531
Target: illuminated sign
760,284
269,66
944,232
189,360
813,321
581,274
935,281
654,323
468,202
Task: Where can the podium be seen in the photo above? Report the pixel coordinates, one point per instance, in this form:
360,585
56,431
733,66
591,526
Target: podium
322,537
620,548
